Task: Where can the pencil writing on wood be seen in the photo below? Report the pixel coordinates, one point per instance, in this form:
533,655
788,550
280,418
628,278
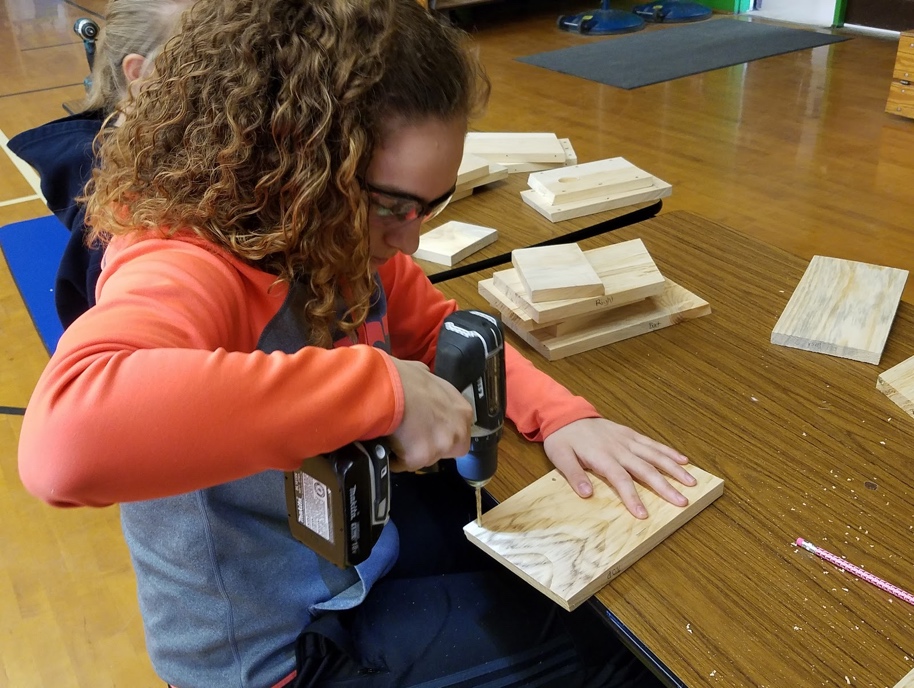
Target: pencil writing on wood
856,571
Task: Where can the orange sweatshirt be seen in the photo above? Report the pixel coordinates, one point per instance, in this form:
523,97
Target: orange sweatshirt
160,389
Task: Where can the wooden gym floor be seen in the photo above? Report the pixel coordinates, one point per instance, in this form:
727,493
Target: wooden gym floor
795,150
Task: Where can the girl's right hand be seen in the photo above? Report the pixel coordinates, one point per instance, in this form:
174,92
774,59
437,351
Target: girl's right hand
436,419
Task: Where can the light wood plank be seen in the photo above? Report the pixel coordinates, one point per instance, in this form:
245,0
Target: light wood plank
516,147
495,173
589,180
626,269
450,243
568,548
572,209
472,167
841,308
897,383
673,306
551,273
571,158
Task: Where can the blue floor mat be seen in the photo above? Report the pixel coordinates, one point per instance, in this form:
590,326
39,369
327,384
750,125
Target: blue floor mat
32,250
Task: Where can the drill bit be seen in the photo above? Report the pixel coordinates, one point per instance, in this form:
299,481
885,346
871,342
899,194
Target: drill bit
478,506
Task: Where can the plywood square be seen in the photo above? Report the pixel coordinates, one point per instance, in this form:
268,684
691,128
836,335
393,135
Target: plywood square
673,306
549,273
453,241
515,147
569,548
626,269
897,384
841,308
572,209
589,180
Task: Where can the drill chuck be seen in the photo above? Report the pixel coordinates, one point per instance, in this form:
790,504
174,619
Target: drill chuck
478,467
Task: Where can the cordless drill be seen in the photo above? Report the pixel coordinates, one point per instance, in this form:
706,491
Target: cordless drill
338,503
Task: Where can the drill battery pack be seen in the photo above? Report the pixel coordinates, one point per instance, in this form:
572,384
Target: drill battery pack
338,503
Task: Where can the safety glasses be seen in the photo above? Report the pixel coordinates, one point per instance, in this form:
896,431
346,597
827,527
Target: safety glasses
403,208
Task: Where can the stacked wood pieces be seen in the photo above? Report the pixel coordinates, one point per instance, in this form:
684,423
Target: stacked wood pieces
842,308
521,152
475,172
897,383
632,298
568,548
591,187
451,242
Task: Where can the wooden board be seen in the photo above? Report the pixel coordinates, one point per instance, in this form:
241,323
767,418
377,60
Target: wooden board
573,209
568,548
841,308
571,158
626,269
549,273
472,167
495,173
514,147
589,180
897,383
521,322
453,241
673,306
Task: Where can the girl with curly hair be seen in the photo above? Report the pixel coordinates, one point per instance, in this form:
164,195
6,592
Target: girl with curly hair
258,305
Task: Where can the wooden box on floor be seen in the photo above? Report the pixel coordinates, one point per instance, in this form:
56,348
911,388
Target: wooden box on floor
636,299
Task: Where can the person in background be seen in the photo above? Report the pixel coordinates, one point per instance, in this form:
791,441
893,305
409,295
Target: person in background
258,305
62,151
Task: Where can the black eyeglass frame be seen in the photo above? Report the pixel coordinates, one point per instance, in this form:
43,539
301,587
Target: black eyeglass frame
424,209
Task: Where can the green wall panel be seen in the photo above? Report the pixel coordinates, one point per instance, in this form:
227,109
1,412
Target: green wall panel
734,6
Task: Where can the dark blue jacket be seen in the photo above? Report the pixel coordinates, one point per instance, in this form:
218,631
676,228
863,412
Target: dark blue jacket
61,153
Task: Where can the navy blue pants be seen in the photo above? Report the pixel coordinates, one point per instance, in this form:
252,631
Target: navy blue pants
448,615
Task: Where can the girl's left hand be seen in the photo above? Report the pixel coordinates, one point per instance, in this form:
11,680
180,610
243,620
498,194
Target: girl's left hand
621,456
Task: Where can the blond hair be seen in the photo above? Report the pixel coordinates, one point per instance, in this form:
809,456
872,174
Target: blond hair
257,123
131,26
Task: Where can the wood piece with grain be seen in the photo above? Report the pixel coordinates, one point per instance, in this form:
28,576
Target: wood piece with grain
550,273
516,147
897,383
520,322
572,209
472,167
589,180
673,306
495,173
453,241
568,548
841,308
571,158
626,269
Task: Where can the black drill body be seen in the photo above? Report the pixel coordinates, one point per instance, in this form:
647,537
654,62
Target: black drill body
338,503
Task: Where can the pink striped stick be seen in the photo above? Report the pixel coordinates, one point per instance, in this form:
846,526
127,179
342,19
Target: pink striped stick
856,571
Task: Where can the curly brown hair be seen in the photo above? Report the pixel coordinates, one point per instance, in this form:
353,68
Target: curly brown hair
256,123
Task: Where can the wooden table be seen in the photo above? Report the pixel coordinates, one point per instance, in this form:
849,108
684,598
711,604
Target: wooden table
807,447
499,205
